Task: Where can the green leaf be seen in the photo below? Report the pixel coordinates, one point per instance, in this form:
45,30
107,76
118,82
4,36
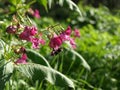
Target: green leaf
40,72
37,57
1,48
84,63
44,3
50,3
15,2
73,6
6,70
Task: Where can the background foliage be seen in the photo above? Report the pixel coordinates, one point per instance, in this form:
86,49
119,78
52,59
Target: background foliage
93,65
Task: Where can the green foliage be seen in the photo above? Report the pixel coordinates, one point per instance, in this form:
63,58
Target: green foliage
6,70
83,61
39,72
37,57
44,3
66,3
99,44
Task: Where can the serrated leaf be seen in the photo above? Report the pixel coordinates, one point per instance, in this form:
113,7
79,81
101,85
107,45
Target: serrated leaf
84,63
6,71
40,72
37,57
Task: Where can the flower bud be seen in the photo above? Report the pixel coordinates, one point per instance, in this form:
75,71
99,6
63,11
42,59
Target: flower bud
11,29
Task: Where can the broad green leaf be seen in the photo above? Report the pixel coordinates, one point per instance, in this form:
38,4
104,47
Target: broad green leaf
37,57
40,72
6,71
84,63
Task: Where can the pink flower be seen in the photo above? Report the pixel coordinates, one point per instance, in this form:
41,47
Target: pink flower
76,33
33,31
25,36
42,41
72,42
22,59
66,34
68,31
36,13
28,33
64,37
36,42
55,42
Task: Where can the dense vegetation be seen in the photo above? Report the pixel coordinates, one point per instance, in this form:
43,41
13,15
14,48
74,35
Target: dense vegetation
92,65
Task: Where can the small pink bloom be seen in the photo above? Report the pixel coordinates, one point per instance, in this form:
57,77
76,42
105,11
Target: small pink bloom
55,42
36,13
25,36
72,42
33,31
66,34
64,37
22,59
42,41
68,31
35,42
28,33
76,33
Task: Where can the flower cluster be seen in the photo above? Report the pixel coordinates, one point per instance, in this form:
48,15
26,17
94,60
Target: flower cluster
31,34
57,40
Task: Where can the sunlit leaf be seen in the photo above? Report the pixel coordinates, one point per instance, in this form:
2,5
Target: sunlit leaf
40,72
37,57
84,63
73,6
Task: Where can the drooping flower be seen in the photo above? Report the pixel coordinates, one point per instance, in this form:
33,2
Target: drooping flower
32,31
35,43
76,33
65,36
22,60
68,31
11,29
55,42
28,33
25,36
72,43
36,13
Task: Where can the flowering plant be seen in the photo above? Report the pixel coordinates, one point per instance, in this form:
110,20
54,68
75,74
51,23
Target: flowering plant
22,40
